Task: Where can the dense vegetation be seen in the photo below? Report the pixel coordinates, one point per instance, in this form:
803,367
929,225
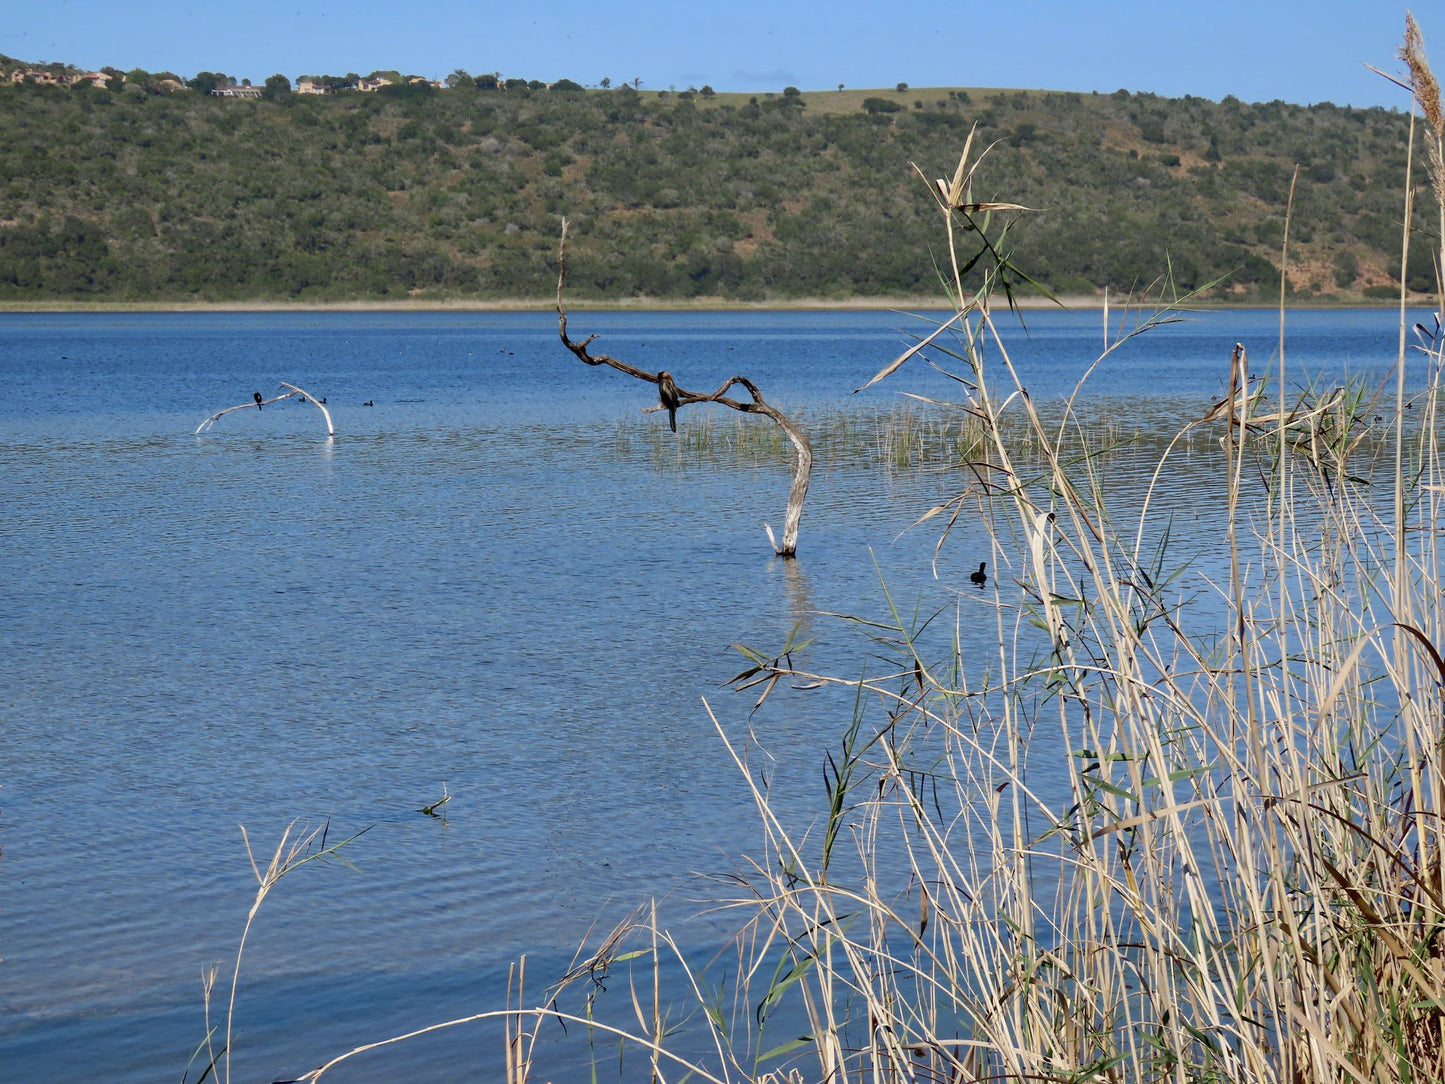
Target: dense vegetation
132,193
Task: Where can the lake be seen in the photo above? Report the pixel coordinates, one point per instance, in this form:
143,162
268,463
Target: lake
500,579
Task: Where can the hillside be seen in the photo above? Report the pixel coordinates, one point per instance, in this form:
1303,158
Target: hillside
134,194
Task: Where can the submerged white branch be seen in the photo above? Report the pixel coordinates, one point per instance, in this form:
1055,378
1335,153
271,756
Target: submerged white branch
317,403
306,397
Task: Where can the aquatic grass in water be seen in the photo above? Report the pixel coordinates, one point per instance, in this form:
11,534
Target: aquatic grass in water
902,439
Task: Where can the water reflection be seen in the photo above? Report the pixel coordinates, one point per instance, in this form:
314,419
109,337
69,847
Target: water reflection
796,591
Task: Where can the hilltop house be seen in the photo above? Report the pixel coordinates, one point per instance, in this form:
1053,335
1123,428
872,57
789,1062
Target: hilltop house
232,90
373,84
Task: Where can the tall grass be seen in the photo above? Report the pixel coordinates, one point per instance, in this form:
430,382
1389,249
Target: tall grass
1244,878
1123,847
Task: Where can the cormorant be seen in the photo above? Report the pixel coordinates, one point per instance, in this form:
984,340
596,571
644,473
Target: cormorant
256,395
667,393
368,403
980,577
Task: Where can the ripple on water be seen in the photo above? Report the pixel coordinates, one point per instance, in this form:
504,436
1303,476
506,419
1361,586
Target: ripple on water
501,578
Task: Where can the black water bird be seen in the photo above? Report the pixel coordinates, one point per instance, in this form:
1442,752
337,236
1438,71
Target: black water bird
256,395
667,393
979,578
368,403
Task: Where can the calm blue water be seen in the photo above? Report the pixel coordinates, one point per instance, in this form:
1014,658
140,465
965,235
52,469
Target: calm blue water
489,581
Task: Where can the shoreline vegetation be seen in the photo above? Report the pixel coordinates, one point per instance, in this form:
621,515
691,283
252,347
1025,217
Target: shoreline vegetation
155,191
1082,303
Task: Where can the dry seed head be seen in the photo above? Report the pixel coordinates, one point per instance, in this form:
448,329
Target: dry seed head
1422,79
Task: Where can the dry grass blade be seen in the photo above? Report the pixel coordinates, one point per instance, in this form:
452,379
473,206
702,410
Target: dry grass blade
898,362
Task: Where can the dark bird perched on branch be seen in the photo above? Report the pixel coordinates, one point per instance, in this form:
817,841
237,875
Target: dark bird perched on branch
980,577
667,393
256,395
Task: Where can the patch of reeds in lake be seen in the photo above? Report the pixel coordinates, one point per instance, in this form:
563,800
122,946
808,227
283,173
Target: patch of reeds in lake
904,438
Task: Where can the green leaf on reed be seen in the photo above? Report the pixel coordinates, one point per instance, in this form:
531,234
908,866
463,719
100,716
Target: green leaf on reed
786,1048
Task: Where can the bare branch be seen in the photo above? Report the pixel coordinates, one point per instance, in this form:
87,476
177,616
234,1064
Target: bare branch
259,403
319,404
677,397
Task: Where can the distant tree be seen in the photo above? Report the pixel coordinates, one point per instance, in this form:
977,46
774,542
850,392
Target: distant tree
458,78
901,87
205,82
116,78
278,88
1346,268
707,91
792,92
840,86
880,105
636,83
566,84
515,84
488,81
605,83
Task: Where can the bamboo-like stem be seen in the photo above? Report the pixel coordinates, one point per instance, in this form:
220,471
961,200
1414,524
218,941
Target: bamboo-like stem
1399,580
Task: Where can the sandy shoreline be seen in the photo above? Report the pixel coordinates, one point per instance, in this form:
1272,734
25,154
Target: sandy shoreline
640,304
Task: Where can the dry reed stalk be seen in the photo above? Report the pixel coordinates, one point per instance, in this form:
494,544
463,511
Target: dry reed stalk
290,854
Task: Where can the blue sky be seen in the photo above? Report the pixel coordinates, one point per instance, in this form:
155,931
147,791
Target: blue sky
1298,51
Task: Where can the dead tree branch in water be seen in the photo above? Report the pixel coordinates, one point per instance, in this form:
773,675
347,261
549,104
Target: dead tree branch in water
680,397
259,403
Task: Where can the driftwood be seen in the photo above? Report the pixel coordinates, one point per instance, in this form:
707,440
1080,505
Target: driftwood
259,403
672,398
